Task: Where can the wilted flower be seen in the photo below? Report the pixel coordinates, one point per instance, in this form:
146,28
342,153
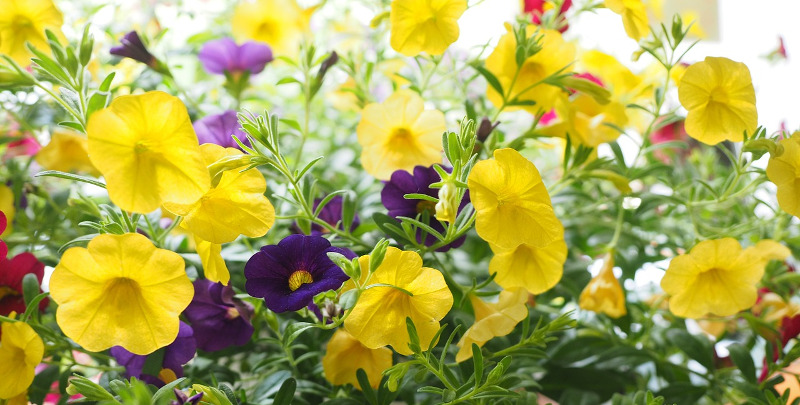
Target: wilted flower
219,320
220,129
176,354
21,350
428,26
24,21
345,355
223,55
288,275
604,294
493,320
214,267
120,291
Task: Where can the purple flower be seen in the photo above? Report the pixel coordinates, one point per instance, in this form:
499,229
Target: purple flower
402,183
217,129
219,320
132,47
182,399
176,354
288,275
223,55
332,214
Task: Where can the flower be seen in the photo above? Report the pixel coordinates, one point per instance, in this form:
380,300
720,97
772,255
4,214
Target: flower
604,294
279,23
236,205
719,95
288,275
25,21
536,269
7,208
12,271
634,16
674,131
493,320
132,47
345,355
67,152
425,25
3,246
402,183
718,277
176,354
220,129
511,202
538,7
223,55
398,135
332,214
555,55
145,147
214,267
783,171
24,145
219,320
430,302
120,291
21,350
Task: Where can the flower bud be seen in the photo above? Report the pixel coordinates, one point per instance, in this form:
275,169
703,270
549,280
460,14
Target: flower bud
447,207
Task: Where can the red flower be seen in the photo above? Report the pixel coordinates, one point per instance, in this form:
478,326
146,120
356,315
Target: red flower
536,9
11,273
3,247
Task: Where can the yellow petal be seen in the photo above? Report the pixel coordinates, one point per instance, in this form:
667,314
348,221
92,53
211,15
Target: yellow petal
500,320
634,16
8,208
67,152
536,269
214,268
345,355
783,171
25,21
424,25
21,350
604,294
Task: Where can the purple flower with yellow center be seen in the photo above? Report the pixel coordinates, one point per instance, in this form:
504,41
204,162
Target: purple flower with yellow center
402,183
288,275
219,320
223,55
176,354
218,128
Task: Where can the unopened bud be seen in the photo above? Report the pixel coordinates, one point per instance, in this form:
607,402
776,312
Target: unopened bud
447,207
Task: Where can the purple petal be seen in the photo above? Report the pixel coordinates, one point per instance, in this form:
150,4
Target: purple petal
253,56
219,55
218,128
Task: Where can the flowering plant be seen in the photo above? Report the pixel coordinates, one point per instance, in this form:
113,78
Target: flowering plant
339,204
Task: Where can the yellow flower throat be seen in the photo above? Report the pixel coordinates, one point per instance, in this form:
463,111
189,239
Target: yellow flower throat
298,278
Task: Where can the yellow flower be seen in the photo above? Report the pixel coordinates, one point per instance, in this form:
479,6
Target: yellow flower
634,16
555,55
121,291
493,320
379,317
604,294
146,148
214,267
425,25
21,350
236,205
345,355
281,24
67,152
512,204
399,134
7,206
584,119
536,269
719,95
784,171
718,277
25,21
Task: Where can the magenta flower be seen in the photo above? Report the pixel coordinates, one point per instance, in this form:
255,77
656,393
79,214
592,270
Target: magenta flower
223,55
218,128
176,354
288,275
219,320
12,271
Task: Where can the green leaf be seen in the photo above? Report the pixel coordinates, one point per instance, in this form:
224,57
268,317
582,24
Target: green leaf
698,348
413,337
70,176
30,288
287,80
366,388
286,392
491,79
477,361
166,391
743,360
72,125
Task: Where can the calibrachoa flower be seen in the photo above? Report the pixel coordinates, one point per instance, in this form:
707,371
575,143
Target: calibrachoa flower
288,275
721,100
536,269
538,7
512,203
3,246
493,319
220,129
344,355
279,23
634,16
556,54
120,291
25,145
219,320
430,302
21,350
133,47
399,134
604,294
24,21
67,152
718,277
214,267
402,183
146,148
7,208
784,171
236,205
176,354
223,55
12,271
428,26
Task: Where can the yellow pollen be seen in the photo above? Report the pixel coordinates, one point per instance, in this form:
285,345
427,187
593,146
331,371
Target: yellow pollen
7,291
299,278
167,376
233,313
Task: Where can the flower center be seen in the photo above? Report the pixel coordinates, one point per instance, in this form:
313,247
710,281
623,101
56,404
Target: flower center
298,278
425,205
140,147
401,135
719,95
21,22
7,292
267,30
124,290
233,313
166,375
